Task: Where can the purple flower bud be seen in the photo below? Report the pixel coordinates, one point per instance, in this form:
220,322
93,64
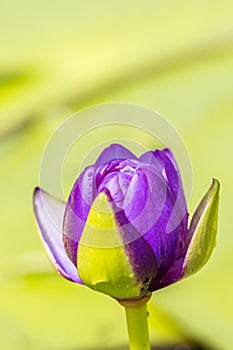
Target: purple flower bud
124,230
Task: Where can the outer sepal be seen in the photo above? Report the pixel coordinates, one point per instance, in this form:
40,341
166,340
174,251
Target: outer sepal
103,263
202,231
49,213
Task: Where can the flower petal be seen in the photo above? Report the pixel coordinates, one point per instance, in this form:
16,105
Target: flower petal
114,151
148,206
170,171
49,213
77,209
202,232
151,159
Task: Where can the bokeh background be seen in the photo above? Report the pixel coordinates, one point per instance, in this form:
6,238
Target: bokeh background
58,57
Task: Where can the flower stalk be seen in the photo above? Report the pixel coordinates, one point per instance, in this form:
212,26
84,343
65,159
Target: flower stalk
137,323
138,327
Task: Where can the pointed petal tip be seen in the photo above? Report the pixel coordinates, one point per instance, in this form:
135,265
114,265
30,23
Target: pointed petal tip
37,190
37,198
215,184
167,150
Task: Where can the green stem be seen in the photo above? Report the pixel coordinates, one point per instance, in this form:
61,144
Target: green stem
138,327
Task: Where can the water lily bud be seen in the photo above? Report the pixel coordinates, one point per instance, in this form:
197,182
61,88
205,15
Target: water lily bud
124,229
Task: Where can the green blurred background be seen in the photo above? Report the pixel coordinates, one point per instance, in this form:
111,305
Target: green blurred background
57,57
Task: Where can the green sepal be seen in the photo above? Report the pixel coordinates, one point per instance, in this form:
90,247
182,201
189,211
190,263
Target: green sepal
203,230
101,258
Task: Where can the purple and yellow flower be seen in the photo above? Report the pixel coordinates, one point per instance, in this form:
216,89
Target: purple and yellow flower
124,229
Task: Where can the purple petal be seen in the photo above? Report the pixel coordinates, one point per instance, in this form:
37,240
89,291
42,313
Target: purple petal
145,198
157,212
172,174
115,185
171,276
115,177
151,159
77,209
114,151
141,257
49,214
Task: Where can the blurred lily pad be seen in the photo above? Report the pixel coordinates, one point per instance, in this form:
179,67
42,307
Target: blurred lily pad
87,48
45,312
